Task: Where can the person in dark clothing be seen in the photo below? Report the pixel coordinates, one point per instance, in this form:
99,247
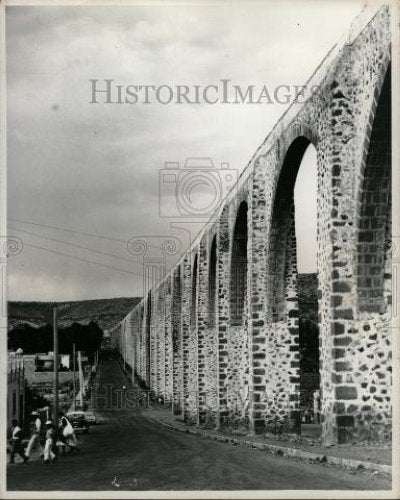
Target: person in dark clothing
16,443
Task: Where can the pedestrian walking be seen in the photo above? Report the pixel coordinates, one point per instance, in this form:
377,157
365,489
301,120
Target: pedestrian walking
317,406
35,429
68,433
16,443
60,438
49,455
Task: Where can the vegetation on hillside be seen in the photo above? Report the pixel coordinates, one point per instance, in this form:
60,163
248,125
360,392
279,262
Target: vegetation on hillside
105,312
33,340
308,322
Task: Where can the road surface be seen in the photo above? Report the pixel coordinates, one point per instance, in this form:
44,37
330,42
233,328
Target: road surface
130,453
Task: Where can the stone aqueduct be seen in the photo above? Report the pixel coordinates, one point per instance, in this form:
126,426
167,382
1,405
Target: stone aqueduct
218,337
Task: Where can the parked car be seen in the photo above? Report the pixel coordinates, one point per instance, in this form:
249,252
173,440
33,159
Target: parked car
91,417
78,421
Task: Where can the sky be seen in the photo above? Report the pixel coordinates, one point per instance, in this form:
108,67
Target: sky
85,179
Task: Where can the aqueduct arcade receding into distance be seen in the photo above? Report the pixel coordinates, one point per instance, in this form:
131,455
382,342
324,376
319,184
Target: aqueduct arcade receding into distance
219,335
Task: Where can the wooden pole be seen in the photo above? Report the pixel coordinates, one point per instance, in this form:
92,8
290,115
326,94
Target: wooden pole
74,369
124,350
80,379
133,367
55,362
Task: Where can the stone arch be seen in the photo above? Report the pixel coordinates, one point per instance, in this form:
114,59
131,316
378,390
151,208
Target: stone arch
189,336
212,282
207,339
193,301
148,339
282,263
283,311
223,244
176,305
238,271
374,207
176,308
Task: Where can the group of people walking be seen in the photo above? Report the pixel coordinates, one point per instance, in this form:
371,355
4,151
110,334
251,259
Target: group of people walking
50,439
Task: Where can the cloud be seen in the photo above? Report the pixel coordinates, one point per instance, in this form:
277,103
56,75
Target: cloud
95,168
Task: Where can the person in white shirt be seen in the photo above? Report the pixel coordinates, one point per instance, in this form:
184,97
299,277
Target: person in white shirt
49,455
67,433
317,406
36,427
16,443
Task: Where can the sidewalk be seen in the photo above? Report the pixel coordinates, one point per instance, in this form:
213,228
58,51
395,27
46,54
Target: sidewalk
376,457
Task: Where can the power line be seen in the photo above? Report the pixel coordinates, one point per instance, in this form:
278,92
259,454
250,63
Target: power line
82,259
76,245
83,233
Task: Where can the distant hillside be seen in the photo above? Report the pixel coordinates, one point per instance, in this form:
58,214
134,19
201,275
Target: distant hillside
108,312
308,331
308,295
105,312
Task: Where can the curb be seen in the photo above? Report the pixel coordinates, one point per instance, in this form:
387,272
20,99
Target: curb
347,463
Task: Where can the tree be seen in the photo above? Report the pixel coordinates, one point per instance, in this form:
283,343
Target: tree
33,340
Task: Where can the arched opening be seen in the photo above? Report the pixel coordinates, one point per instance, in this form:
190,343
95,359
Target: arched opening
305,214
148,340
141,350
212,283
193,305
374,237
177,352
238,285
176,310
305,203
293,281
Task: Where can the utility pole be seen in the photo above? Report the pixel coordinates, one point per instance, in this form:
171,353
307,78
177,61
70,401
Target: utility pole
80,379
133,367
55,363
124,350
74,369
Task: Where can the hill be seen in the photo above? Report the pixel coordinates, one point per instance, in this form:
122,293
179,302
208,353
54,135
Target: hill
105,312
308,331
108,312
308,296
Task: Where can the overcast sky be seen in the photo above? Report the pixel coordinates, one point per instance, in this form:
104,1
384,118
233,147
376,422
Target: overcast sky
93,169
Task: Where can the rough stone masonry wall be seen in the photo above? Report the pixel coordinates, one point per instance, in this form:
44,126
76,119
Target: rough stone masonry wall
168,353
152,332
274,298
177,343
223,312
189,342
207,335
141,346
237,373
258,359
370,409
356,85
160,336
148,341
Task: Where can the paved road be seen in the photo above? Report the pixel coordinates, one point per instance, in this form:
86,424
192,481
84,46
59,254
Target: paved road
130,453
